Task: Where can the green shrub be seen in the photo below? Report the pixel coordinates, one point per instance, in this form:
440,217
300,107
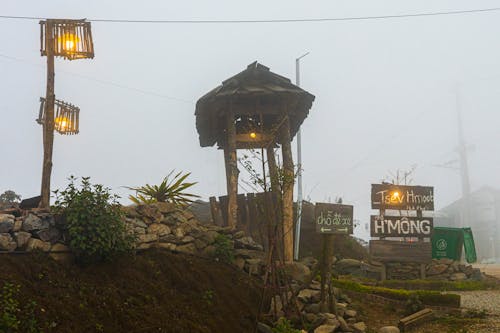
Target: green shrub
224,250
13,317
94,220
284,326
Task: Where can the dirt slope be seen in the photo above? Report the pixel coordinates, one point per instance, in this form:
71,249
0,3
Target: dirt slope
156,291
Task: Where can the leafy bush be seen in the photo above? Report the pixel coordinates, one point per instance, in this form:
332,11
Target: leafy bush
224,250
13,318
94,221
173,190
284,326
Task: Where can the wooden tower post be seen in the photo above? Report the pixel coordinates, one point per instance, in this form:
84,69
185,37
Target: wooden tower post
231,170
288,180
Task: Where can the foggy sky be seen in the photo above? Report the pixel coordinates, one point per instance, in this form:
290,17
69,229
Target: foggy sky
385,92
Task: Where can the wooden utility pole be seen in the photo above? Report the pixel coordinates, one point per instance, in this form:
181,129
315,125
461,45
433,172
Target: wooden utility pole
48,121
231,169
288,180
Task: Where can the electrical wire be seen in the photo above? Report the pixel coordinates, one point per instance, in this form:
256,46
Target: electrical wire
299,20
111,83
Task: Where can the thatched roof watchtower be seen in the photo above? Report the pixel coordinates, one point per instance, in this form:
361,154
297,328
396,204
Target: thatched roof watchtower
256,108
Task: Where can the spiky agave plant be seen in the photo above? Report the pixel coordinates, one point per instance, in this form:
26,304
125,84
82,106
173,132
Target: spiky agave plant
171,189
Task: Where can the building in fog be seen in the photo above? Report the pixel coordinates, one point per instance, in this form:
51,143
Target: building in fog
484,221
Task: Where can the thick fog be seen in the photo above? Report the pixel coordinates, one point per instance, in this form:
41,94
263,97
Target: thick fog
387,92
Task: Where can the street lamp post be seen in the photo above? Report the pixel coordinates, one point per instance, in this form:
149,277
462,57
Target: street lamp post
69,39
299,171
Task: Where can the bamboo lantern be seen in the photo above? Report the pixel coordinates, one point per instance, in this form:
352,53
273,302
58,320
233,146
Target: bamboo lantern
72,39
66,117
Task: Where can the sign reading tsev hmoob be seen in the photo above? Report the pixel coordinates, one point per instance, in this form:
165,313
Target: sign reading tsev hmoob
400,226
402,197
333,218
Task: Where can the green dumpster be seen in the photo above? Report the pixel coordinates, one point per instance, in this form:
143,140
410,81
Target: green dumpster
469,246
447,243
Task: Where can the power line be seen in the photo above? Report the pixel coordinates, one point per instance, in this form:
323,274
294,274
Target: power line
299,20
111,83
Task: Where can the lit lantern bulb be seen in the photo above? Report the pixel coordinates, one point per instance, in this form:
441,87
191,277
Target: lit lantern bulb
61,123
253,135
70,45
395,195
69,41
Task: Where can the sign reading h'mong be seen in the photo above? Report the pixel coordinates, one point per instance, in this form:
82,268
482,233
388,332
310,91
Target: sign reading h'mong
400,226
402,197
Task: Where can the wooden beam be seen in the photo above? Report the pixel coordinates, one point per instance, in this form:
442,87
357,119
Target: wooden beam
231,170
288,180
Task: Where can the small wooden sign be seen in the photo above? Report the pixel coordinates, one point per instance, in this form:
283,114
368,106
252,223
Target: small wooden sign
392,251
402,197
400,226
333,218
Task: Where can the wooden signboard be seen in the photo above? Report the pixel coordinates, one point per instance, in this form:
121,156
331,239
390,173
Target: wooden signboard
400,226
402,197
391,251
333,218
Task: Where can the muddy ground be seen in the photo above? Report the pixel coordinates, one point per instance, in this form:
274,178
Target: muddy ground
155,291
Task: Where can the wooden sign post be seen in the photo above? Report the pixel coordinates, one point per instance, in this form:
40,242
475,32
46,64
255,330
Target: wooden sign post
401,198
330,219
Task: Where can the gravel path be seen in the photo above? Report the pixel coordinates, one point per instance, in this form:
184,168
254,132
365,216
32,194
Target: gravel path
488,300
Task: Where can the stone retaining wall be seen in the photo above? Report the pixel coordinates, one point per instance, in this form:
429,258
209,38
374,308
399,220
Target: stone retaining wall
161,225
442,269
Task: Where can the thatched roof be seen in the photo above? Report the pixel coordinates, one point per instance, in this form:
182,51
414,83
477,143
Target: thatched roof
254,91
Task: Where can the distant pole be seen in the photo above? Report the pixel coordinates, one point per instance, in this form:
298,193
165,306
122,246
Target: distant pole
48,124
464,166
299,171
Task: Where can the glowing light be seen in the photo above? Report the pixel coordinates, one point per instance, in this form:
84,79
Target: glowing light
62,124
253,135
69,42
395,195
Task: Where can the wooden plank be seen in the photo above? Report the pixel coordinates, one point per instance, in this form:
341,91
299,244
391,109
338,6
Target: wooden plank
400,226
242,221
223,208
395,251
402,197
415,319
333,218
216,212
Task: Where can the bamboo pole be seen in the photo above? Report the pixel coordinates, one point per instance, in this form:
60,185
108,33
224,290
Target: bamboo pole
48,124
231,170
288,180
